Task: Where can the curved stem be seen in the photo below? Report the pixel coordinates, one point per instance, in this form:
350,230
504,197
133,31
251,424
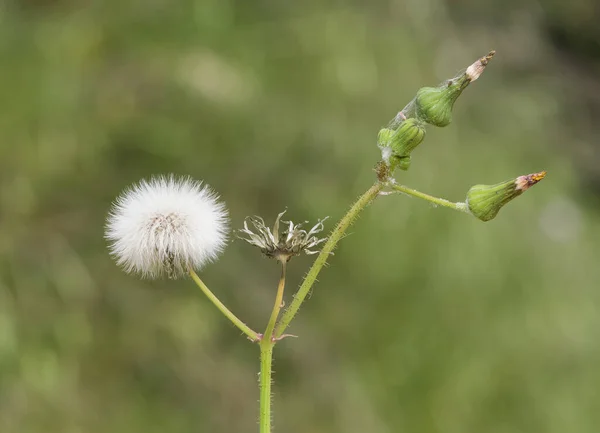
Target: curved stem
329,246
459,206
252,335
266,360
277,307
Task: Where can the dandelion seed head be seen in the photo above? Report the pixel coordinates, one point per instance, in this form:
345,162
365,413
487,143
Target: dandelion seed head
165,226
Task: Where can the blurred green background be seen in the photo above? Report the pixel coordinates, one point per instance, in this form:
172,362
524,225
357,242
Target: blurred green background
426,321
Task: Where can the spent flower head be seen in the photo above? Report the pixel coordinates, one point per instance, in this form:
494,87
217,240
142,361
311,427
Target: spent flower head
166,226
281,243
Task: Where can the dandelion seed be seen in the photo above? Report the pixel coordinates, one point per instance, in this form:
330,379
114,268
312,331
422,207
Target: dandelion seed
166,226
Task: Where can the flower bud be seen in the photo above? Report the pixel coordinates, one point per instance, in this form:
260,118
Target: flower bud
396,145
485,201
434,104
384,138
408,136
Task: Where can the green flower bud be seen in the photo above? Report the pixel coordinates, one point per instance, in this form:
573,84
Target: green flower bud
396,145
384,138
485,201
434,104
408,136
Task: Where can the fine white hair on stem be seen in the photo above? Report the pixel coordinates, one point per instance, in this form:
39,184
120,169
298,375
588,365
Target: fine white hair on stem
165,226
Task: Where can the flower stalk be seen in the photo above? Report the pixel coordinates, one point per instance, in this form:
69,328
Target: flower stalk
275,331
268,335
252,335
458,206
337,234
266,356
266,370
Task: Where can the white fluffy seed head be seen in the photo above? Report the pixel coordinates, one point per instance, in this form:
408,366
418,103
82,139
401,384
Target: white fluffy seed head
166,226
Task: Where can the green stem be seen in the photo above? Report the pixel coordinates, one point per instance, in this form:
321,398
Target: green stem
459,206
252,335
266,360
329,246
277,307
266,357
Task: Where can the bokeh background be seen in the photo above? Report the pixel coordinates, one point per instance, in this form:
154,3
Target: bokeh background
426,321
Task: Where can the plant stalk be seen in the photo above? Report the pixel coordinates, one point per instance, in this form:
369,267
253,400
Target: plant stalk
266,357
335,236
268,335
266,361
458,206
252,335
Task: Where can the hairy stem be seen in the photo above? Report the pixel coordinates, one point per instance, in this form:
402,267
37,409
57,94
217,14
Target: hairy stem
266,357
266,360
334,238
252,335
459,206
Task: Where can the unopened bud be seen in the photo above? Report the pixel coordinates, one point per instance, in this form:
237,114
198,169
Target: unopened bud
434,104
396,145
485,201
384,138
408,136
